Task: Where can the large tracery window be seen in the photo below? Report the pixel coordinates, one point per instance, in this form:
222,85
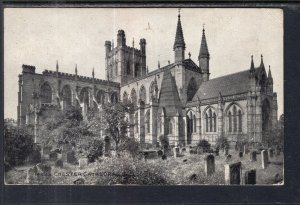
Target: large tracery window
46,93
211,120
147,122
235,119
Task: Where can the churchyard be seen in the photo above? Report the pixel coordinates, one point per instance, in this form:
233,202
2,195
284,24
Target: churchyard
180,166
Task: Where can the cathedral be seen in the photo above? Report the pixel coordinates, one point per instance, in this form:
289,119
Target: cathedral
178,100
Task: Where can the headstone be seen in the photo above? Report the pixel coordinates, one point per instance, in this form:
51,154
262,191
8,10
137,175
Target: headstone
233,173
264,159
160,153
250,177
79,181
253,156
228,157
270,152
46,150
59,163
71,157
209,164
164,157
240,154
83,162
176,152
53,156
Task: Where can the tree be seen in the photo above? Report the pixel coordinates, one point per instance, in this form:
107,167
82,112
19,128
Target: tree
18,145
65,126
113,120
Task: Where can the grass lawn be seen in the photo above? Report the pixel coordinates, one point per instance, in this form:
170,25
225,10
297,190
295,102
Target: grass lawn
188,172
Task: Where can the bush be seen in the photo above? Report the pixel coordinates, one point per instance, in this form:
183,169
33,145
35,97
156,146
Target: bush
129,145
18,145
205,145
96,148
222,143
128,170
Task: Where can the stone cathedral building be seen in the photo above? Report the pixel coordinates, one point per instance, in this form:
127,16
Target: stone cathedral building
178,100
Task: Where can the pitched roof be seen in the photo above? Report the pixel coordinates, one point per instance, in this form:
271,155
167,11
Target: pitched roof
179,40
191,65
228,85
169,97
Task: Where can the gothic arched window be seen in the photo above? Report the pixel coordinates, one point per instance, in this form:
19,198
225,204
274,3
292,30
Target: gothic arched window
191,89
128,68
235,119
211,120
125,97
230,122
143,94
84,96
170,128
240,120
147,122
194,121
133,97
66,96
136,123
114,97
46,93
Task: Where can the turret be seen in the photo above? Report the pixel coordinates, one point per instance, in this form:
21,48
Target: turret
203,57
143,55
179,44
121,39
107,47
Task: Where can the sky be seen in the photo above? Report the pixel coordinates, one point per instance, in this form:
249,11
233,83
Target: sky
41,36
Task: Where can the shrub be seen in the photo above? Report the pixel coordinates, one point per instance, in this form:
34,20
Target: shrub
18,144
164,141
129,145
222,143
205,145
96,148
128,170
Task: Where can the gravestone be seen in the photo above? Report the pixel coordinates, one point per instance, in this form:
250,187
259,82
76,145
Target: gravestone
250,177
160,153
228,157
91,158
59,163
253,156
65,149
71,157
164,157
106,146
176,152
233,173
264,159
240,154
83,162
46,151
53,156
209,164
270,152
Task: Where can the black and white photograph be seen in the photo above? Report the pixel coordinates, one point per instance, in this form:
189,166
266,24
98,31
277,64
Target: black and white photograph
144,96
